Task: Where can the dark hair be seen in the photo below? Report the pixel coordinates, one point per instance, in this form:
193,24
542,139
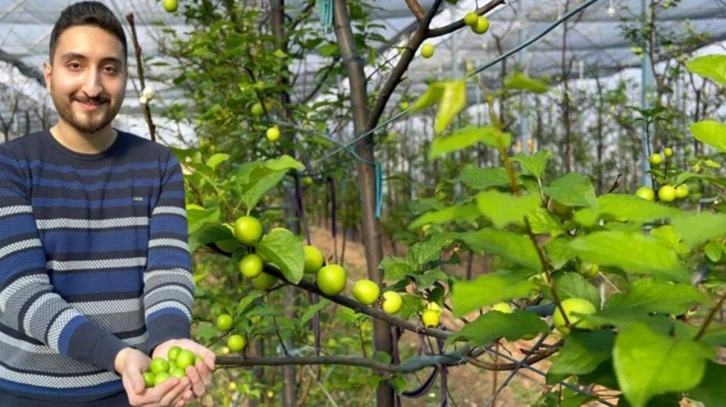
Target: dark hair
87,13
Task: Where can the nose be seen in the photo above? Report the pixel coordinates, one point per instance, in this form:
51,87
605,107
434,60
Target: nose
92,86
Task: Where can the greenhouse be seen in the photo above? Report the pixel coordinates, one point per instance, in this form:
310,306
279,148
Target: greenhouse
371,203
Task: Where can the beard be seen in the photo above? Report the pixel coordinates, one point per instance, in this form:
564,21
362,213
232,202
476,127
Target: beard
87,122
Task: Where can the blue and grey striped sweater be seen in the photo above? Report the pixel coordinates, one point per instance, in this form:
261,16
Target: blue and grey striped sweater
93,258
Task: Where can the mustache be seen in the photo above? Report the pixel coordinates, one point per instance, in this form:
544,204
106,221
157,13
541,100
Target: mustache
96,99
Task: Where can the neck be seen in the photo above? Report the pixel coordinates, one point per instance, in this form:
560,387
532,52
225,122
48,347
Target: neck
84,143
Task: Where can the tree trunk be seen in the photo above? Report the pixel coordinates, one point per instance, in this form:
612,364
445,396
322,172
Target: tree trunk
383,342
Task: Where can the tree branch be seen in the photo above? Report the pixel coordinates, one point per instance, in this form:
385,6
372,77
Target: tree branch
537,357
402,67
458,24
414,365
710,317
416,9
321,82
140,73
372,311
410,366
304,13
545,269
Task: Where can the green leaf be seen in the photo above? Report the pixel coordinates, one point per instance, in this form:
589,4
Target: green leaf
466,137
713,251
649,363
256,178
451,98
650,295
494,324
428,278
206,234
245,302
709,66
711,133
196,218
395,268
535,164
603,375
615,248
458,140
715,334
184,154
430,250
205,332
510,246
464,213
574,285
283,249
284,163
660,400
712,389
576,399
542,221
496,139
520,81
583,352
624,207
453,101
622,318
559,252
504,209
711,163
217,159
669,237
431,97
488,289
411,306
685,176
484,178
699,228
312,309
572,189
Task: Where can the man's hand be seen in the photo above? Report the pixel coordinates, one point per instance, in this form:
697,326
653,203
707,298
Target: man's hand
200,374
130,363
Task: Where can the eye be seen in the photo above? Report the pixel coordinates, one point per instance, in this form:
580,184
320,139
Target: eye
111,70
73,66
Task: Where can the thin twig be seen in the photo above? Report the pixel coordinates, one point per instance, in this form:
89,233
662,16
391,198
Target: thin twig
458,24
616,184
545,269
710,317
532,359
140,72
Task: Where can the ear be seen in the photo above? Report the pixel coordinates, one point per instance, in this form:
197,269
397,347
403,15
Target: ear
47,70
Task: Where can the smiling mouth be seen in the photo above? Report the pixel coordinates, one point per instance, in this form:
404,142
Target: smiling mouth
91,104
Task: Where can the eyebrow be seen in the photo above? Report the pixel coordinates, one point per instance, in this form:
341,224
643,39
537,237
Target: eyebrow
76,55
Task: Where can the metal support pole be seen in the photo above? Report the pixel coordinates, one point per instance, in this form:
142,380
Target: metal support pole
523,98
646,70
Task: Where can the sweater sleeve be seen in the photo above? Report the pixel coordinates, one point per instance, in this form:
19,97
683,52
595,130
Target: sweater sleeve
168,281
28,303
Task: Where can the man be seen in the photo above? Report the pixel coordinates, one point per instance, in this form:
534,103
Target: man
95,271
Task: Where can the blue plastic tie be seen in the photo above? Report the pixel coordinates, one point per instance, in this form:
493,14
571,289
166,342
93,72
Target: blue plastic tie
325,9
379,189
379,179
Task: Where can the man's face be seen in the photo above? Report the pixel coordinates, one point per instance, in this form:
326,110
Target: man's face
87,79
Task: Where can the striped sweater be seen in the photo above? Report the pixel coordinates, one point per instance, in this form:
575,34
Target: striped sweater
93,258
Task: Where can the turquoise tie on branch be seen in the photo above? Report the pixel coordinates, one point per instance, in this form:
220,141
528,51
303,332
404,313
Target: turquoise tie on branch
325,8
